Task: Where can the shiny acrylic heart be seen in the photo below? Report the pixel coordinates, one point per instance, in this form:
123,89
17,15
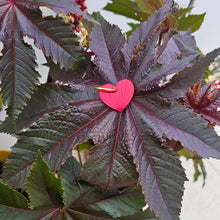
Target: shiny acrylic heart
120,99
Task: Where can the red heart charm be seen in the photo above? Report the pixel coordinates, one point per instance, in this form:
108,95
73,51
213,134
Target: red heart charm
120,99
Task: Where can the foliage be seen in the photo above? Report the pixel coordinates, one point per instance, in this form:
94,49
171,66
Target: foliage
198,164
130,149
213,72
49,197
19,19
205,101
140,10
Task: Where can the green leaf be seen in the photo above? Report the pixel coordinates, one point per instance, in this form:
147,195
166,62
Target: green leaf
89,202
11,213
199,170
112,204
127,8
84,198
192,21
142,215
70,172
14,206
149,6
44,189
12,198
133,28
85,145
181,12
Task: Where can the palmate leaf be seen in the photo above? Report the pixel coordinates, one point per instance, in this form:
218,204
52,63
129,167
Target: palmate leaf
136,133
87,202
25,18
56,39
80,197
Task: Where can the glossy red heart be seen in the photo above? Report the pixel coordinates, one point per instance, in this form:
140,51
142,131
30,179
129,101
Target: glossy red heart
120,99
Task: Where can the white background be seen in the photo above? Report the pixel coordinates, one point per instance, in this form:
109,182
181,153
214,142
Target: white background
198,203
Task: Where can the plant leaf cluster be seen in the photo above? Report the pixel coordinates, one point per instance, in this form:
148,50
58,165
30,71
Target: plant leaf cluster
128,146
49,197
19,19
140,10
204,101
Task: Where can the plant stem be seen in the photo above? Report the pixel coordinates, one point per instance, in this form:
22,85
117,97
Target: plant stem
79,155
191,3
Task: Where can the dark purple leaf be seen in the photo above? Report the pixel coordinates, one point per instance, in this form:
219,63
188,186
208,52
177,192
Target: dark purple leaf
145,31
111,158
180,44
18,77
153,77
56,38
204,101
107,46
180,83
177,52
180,124
55,96
161,173
141,36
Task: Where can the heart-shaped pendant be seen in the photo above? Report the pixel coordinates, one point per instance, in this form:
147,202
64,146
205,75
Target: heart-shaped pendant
120,99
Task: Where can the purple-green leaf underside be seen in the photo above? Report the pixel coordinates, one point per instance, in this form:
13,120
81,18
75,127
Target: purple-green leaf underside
44,192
